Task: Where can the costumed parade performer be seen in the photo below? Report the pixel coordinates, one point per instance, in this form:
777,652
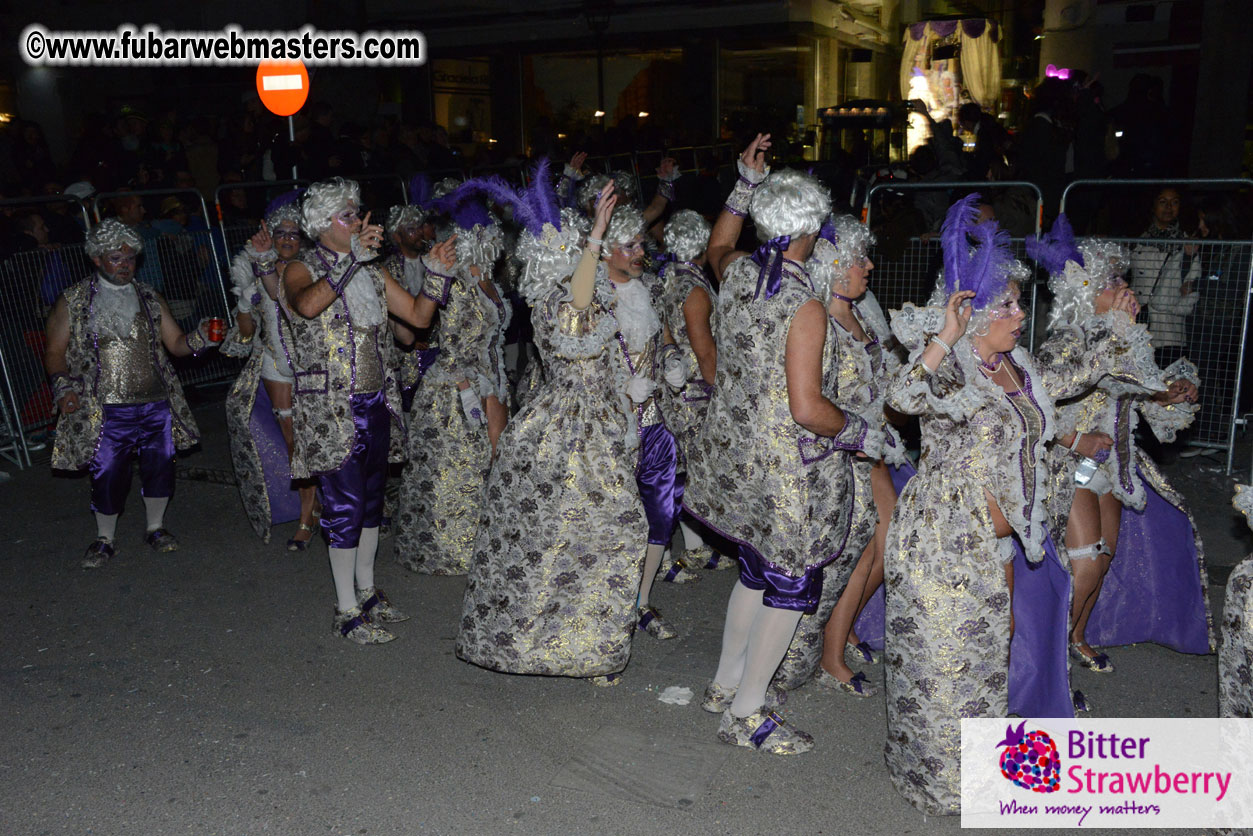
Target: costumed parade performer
109,343
345,403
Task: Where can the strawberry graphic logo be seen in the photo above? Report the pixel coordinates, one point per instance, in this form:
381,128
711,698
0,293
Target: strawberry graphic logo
1030,759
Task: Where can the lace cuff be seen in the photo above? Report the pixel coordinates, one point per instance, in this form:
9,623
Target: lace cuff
197,342
341,272
62,384
914,326
1166,420
436,285
741,196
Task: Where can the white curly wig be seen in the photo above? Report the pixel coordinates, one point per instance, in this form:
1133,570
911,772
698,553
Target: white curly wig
480,246
323,200
588,191
687,234
290,213
404,214
789,202
111,235
1075,289
444,187
550,258
1017,277
625,223
853,240
625,185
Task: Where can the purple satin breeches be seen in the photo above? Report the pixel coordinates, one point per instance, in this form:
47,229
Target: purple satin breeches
661,488
128,430
352,497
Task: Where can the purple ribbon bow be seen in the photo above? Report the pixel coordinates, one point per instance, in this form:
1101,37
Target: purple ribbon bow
769,257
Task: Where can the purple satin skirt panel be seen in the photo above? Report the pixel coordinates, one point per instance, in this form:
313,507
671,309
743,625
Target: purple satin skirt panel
661,489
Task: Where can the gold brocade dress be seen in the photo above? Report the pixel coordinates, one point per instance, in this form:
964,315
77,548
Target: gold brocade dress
862,371
557,562
685,409
441,493
1156,587
757,478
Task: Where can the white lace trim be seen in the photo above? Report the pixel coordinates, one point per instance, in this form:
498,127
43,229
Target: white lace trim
633,306
114,308
363,301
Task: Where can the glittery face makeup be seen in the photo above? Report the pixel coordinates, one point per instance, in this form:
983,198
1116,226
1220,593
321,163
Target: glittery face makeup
118,266
349,216
628,258
1004,317
286,240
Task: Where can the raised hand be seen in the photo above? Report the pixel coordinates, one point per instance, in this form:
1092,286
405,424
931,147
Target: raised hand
371,235
957,313
754,157
1126,301
262,242
445,252
605,202
576,161
668,169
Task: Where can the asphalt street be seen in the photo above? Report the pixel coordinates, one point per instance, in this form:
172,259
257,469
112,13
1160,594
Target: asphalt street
203,692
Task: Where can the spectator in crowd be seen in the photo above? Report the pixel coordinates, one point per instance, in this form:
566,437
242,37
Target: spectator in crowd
990,140
1044,143
1214,328
129,209
1165,276
32,161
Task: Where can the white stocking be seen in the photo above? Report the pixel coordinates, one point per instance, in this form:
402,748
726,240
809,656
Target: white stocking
741,610
342,561
652,562
155,506
106,526
691,540
367,548
768,641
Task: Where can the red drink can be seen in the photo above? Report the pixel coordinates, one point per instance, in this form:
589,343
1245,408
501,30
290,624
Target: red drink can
216,330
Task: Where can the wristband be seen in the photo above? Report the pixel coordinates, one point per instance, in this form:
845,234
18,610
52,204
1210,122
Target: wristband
948,349
1074,445
263,268
665,188
595,242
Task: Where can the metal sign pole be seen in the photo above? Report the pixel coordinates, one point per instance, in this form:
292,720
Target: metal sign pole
291,138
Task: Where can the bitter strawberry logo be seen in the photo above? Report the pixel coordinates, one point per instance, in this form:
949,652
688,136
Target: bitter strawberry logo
1030,759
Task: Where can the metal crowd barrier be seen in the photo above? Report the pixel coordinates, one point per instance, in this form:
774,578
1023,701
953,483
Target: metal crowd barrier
1211,326
907,262
30,282
186,265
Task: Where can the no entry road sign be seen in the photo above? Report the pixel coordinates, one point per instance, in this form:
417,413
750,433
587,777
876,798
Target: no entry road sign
283,86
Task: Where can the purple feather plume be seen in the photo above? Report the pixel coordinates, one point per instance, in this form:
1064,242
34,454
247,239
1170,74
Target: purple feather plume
958,223
282,200
988,268
1056,248
466,212
419,190
541,199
